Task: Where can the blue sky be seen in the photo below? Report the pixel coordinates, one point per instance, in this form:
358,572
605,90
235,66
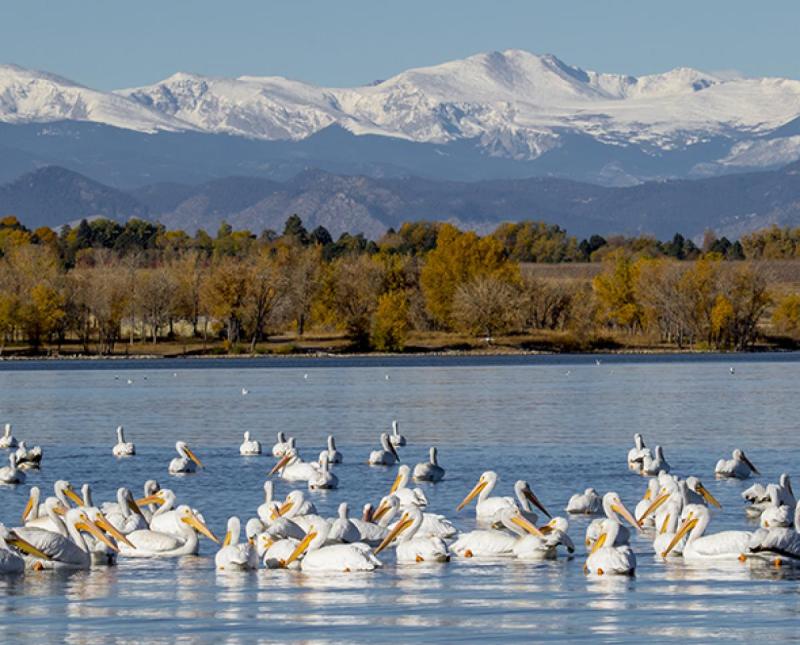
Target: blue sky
109,44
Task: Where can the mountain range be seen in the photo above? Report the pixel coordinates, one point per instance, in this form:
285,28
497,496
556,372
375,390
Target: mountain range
499,115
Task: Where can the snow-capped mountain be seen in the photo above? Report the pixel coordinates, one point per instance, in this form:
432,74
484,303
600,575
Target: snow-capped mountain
510,105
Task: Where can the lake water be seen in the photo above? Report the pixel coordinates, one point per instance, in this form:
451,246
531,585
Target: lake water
562,423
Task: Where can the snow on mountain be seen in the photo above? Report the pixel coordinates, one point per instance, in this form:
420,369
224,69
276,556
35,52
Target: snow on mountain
515,104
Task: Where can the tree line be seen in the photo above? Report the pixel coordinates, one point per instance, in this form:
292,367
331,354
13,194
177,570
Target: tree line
102,284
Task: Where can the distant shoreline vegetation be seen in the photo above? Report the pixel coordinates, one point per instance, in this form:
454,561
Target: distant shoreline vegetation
107,289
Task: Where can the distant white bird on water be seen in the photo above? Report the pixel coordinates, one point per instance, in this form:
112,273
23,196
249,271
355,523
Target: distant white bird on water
732,370
740,467
8,440
11,474
245,391
249,446
429,471
396,438
123,448
130,381
386,456
586,503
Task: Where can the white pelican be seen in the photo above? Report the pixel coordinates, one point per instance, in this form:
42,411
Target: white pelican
123,448
334,456
740,467
265,510
28,459
586,503
297,505
758,497
67,548
487,508
234,556
183,541
411,547
275,553
608,555
726,545
8,440
526,497
778,513
282,445
429,471
398,440
125,515
637,454
293,469
386,456
323,479
10,560
151,487
407,496
11,474
696,493
249,446
777,545
343,529
185,462
650,494
333,558
534,547
432,524
489,543
651,466
613,508
35,514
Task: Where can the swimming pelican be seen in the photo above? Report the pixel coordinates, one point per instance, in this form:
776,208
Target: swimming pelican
151,487
411,547
526,497
534,547
123,448
726,545
386,456
487,508
185,462
35,514
334,456
8,440
323,479
407,496
637,454
332,558
125,515
275,553
758,498
777,545
67,548
433,524
234,556
249,446
293,469
651,466
27,459
155,544
493,542
696,493
586,503
282,445
343,529
614,510
740,467
608,555
398,440
265,510
650,494
429,471
11,474
10,560
778,513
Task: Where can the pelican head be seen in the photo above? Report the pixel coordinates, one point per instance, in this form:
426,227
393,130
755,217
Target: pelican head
523,490
187,516
487,479
613,506
185,451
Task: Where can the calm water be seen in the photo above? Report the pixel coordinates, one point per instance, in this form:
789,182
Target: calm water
561,423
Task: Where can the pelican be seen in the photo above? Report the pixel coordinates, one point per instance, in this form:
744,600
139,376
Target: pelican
123,448
650,494
8,440
67,548
696,493
407,496
299,511
386,456
496,543
28,459
778,513
282,445
334,456
249,446
185,462
413,548
586,503
637,454
155,544
151,487
613,508
323,479
429,471
275,553
726,545
10,560
740,467
758,497
125,515
777,545
265,510
526,497
487,508
398,440
534,547
343,529
293,469
432,524
608,555
11,474
332,558
234,556
35,514
369,531
653,465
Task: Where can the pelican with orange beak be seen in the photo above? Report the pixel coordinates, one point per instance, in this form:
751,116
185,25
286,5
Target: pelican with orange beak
617,511
610,555
493,543
185,462
10,559
487,508
740,467
155,544
293,469
235,556
726,545
335,558
411,547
